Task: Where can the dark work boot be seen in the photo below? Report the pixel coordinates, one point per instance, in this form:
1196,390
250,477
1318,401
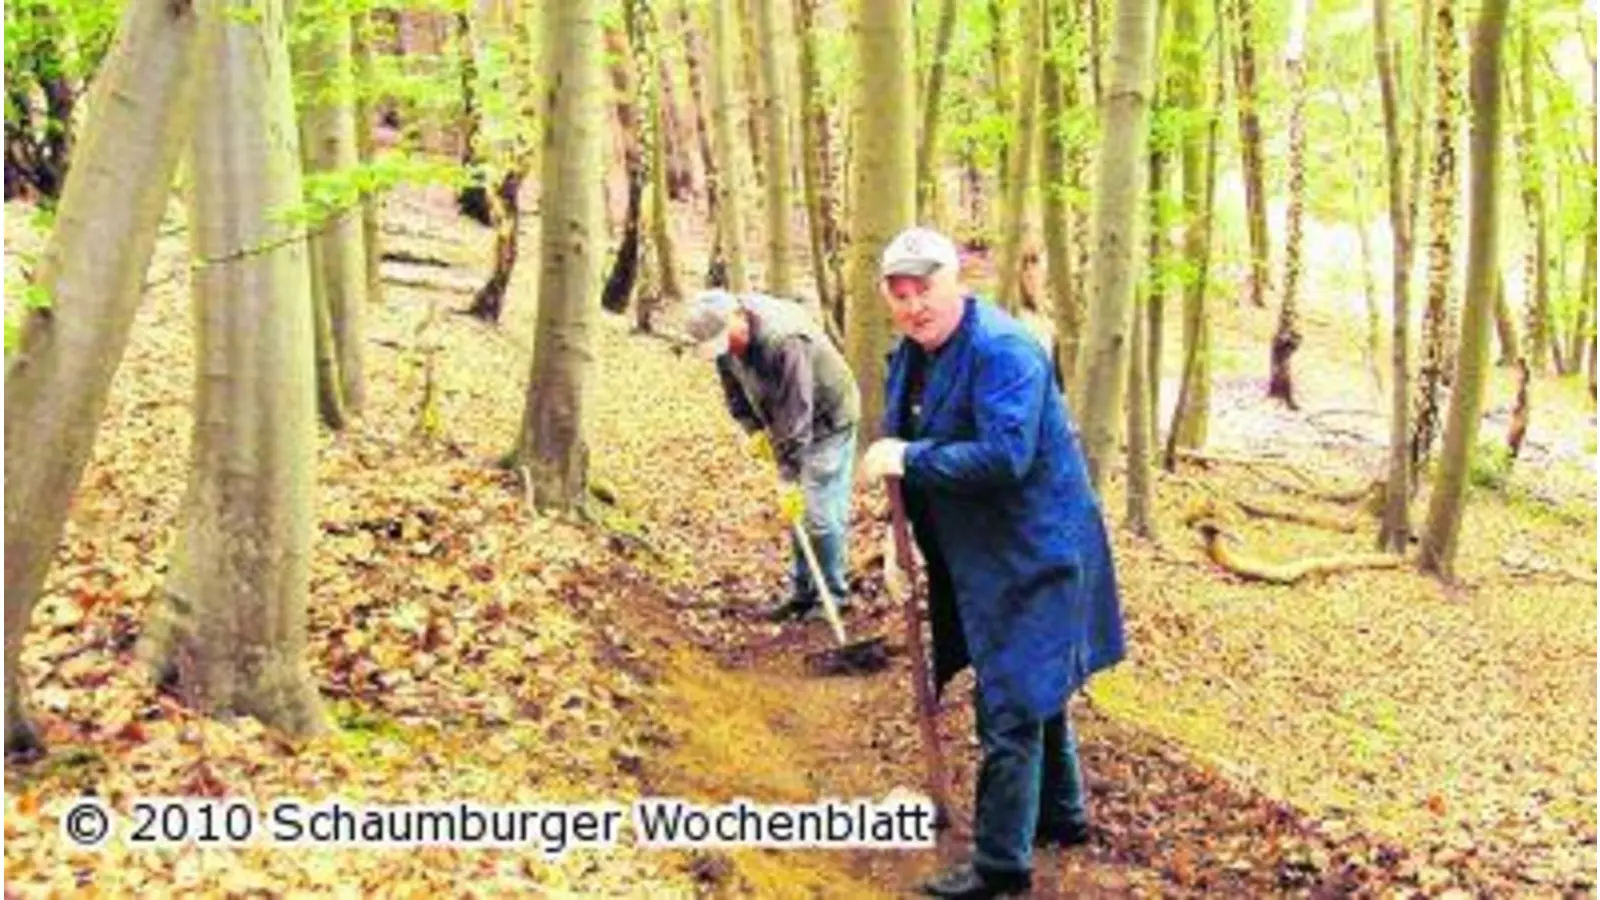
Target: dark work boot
792,610
968,882
1067,834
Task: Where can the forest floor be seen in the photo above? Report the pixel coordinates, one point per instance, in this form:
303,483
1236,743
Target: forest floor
1373,732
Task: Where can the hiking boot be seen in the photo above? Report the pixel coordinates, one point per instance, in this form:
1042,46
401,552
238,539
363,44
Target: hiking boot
969,882
816,612
1069,834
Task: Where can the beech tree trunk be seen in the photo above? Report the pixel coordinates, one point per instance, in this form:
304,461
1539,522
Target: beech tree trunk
552,450
883,197
1055,84
1396,530
1117,182
1019,180
337,243
1255,190
725,116
232,632
91,275
1440,539
1442,224
932,97
1286,339
817,170
772,38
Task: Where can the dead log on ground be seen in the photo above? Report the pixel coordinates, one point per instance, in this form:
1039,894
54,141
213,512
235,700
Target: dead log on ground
1252,569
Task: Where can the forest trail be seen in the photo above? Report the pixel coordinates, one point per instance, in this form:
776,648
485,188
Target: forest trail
1368,733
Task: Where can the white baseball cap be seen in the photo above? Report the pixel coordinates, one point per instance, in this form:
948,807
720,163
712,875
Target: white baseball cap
708,322
919,252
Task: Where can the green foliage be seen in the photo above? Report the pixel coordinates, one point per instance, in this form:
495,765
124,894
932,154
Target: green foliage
330,194
49,39
53,48
1491,465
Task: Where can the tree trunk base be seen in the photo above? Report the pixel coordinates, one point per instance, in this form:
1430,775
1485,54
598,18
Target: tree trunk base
22,736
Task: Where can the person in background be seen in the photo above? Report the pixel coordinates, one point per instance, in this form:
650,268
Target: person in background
1020,575
787,384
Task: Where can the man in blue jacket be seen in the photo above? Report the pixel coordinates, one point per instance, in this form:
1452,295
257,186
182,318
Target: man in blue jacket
1020,577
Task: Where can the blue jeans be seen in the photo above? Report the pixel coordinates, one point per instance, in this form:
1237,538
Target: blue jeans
1029,779
825,478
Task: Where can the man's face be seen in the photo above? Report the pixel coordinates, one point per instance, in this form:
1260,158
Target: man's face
926,309
738,333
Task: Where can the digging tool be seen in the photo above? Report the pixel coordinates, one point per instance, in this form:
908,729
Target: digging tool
865,655
927,707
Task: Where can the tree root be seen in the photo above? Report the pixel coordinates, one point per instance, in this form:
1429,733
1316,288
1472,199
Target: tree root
1252,569
1302,482
1265,509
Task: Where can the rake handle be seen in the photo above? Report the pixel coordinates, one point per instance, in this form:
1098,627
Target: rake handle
927,707
829,607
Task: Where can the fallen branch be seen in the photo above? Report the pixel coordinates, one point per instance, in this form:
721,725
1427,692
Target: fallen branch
1252,569
1262,509
1304,484
402,255
1248,462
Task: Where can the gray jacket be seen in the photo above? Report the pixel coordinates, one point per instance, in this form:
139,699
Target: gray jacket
791,381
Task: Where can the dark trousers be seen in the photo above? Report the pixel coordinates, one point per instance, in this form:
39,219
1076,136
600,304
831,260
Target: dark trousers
1029,779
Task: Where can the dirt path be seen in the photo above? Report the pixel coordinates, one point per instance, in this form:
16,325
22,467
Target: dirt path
747,720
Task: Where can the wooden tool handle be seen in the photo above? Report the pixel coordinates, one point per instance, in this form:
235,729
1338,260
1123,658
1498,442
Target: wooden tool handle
927,707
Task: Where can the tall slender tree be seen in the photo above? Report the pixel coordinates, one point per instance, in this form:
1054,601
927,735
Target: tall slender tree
362,34
1442,226
773,39
1192,414
1000,78
1055,82
551,446
1140,410
233,633
725,116
1019,181
1247,98
883,196
1151,301
1440,539
817,169
1100,376
1396,530
1537,255
932,98
325,62
1286,339
663,246
693,54
87,289
509,154
628,91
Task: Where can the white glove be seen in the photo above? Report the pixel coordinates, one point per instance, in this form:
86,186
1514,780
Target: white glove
884,458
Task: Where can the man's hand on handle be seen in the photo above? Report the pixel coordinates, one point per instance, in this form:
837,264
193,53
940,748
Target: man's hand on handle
759,447
791,502
885,458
